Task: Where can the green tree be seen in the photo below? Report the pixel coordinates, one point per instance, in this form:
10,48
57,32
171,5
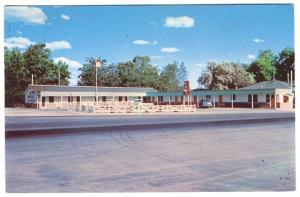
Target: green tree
182,75
225,75
19,66
168,78
264,66
16,74
128,75
147,74
285,64
87,77
61,69
109,76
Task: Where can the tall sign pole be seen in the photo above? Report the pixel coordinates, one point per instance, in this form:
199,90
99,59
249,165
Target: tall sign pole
97,64
187,90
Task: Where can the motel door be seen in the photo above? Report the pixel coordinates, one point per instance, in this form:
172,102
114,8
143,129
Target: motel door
43,101
221,102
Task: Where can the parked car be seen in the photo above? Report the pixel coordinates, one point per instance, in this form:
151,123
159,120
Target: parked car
205,103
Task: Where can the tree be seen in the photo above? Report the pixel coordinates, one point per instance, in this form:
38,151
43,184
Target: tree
64,73
285,63
128,75
225,75
147,74
16,74
182,75
19,66
87,77
264,66
168,78
109,76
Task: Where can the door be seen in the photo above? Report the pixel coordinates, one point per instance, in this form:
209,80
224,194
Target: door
221,101
43,101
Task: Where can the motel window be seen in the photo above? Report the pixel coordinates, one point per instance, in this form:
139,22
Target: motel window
267,98
234,97
51,99
208,96
126,98
254,98
120,98
160,98
104,98
78,99
70,99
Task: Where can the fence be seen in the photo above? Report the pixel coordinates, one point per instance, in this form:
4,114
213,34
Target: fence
127,107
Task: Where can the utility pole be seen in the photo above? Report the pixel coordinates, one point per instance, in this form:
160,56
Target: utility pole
59,76
291,79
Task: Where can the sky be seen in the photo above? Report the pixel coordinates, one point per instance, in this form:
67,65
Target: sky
193,34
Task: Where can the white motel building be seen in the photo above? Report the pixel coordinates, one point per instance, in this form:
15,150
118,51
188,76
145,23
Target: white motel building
267,94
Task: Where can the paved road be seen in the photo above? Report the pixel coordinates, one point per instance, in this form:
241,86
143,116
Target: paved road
242,157
15,123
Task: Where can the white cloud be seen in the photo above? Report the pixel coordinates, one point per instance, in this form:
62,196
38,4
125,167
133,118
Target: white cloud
25,14
19,42
65,17
55,45
179,22
71,63
250,56
257,40
141,42
169,49
144,42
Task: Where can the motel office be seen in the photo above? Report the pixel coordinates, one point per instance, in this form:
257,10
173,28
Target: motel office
261,95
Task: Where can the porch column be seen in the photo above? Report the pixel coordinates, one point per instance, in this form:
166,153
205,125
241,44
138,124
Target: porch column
252,101
60,102
197,104
169,100
270,100
214,101
157,100
231,101
275,102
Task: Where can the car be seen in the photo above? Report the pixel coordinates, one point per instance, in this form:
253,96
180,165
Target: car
205,103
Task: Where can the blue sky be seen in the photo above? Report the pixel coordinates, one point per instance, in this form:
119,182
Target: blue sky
192,34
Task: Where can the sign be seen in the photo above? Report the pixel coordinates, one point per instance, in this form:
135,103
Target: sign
187,87
31,96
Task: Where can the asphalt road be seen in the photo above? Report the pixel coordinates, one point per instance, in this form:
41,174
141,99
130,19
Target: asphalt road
235,157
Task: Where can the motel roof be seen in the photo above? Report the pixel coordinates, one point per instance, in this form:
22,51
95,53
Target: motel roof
56,88
272,84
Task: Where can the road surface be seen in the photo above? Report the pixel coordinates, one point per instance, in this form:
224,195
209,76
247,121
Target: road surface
252,156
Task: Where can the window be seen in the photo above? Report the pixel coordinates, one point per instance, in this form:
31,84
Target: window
126,98
104,98
254,98
208,96
267,98
120,98
70,99
78,99
285,99
160,98
233,97
51,99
